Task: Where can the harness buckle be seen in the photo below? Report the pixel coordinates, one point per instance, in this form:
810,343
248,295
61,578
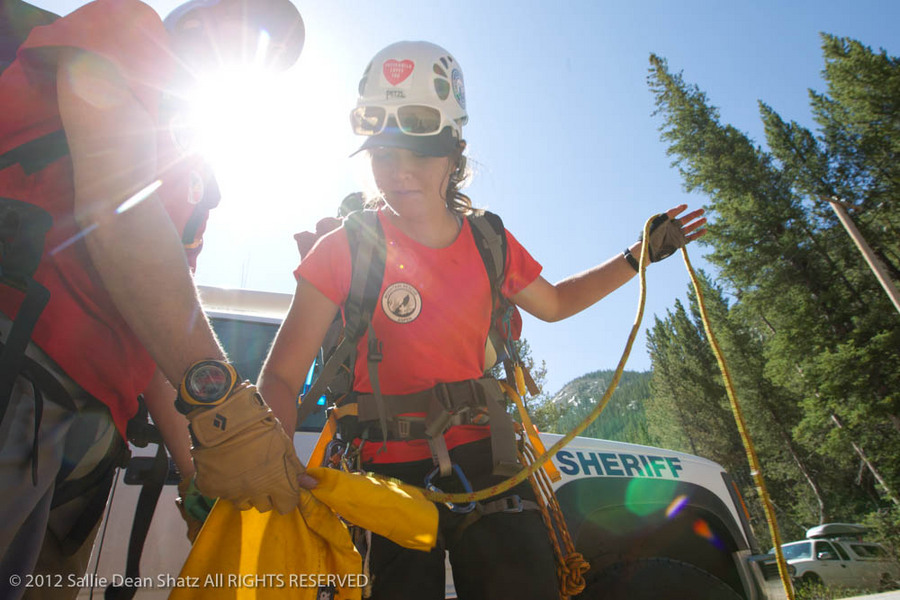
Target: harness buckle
375,351
403,428
513,504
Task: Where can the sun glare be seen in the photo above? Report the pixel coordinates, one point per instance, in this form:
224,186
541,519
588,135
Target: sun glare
278,143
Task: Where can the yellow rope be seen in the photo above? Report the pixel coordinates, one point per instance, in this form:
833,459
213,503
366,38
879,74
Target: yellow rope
522,475
755,468
539,461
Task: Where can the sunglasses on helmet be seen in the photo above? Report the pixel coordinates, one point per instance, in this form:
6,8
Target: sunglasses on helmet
411,119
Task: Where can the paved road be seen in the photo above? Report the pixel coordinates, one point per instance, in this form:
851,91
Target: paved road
883,596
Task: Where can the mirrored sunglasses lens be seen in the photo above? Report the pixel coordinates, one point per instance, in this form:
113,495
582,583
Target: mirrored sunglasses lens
368,120
419,120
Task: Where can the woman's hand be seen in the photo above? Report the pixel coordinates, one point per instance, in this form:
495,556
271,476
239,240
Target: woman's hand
691,223
669,232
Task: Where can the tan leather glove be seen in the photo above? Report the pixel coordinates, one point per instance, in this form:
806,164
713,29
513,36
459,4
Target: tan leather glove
242,454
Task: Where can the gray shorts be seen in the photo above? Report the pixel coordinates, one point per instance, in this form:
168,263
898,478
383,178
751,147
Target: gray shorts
37,531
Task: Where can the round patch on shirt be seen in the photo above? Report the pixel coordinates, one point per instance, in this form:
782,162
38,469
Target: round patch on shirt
197,188
401,303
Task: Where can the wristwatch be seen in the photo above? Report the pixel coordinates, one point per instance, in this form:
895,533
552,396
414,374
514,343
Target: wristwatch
206,384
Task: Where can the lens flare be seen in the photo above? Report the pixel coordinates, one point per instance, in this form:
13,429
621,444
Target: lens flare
139,197
702,529
676,506
644,497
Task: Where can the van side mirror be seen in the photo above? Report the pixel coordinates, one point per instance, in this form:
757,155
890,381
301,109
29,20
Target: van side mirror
826,555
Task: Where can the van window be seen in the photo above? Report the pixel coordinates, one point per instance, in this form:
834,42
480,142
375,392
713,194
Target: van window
797,551
868,551
826,547
842,552
246,342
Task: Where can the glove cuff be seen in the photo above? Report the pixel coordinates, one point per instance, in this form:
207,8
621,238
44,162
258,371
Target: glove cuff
214,425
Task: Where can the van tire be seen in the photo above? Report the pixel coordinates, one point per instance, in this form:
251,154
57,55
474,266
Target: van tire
643,579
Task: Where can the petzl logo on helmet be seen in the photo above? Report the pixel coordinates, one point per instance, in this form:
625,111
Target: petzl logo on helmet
401,303
396,71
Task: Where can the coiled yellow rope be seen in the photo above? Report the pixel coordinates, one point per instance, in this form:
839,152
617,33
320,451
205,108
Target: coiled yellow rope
570,564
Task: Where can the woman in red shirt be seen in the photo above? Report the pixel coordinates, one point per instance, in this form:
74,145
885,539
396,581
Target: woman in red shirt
433,319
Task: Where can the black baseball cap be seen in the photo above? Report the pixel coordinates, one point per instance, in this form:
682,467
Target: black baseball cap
442,144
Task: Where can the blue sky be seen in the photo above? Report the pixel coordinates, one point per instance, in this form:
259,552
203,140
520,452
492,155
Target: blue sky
561,131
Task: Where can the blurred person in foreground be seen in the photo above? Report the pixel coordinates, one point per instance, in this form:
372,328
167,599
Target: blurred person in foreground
103,208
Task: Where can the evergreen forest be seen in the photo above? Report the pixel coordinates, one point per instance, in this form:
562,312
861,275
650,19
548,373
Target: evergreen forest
811,337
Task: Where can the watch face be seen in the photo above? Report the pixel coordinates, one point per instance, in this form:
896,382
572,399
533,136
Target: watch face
208,382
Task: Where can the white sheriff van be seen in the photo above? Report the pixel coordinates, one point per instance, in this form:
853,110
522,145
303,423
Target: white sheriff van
654,524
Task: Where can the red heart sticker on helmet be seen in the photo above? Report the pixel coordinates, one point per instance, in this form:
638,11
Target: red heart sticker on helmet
397,70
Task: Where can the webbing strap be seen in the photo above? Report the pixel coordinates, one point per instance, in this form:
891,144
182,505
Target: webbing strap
374,358
490,245
503,439
38,153
315,391
440,454
143,515
368,252
12,357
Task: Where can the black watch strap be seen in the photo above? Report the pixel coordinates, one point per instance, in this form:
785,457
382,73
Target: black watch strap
631,260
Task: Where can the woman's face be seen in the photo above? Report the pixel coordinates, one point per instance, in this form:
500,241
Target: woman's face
410,182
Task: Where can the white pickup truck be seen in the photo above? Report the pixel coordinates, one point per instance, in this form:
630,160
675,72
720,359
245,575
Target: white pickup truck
835,555
654,524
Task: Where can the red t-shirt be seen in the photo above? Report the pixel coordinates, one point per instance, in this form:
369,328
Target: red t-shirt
80,328
434,311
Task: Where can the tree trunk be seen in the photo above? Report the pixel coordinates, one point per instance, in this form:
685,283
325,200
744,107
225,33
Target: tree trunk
862,455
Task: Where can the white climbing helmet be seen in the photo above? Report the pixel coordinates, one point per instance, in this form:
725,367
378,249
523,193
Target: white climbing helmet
411,88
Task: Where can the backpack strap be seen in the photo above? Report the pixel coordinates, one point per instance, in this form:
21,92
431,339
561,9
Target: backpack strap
37,154
22,230
368,252
490,238
23,226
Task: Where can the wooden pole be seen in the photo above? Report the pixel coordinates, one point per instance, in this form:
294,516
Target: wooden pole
883,278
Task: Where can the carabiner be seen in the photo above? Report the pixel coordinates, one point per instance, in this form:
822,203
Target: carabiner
467,487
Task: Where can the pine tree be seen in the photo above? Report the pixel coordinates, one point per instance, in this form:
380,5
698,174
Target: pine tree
818,338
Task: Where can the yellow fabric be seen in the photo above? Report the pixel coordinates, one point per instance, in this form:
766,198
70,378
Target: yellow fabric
389,508
327,434
248,555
